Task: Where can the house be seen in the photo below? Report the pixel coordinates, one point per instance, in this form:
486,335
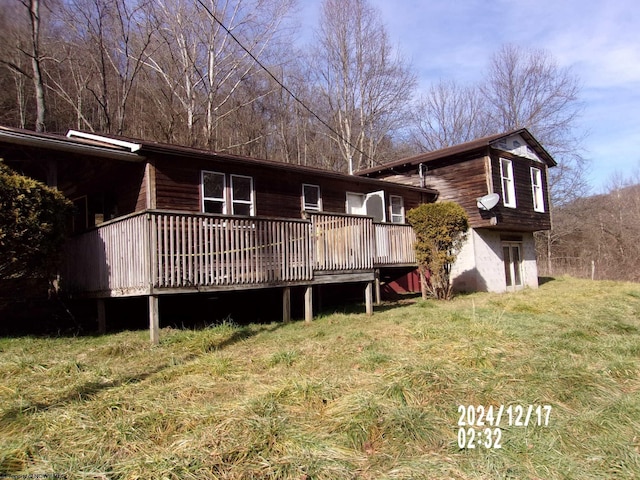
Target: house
508,169
154,220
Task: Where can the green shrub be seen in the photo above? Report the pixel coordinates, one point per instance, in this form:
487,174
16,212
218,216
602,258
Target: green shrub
32,226
440,232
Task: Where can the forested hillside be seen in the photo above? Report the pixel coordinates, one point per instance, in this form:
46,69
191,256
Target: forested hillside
598,235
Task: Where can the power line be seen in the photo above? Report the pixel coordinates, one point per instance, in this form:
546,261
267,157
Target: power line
284,87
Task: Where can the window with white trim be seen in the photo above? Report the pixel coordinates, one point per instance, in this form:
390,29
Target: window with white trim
397,208
536,190
242,195
213,192
508,183
311,199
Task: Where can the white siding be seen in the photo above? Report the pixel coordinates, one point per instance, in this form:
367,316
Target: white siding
480,263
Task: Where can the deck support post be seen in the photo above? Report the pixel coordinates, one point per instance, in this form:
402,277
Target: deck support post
368,298
286,305
154,320
308,303
378,293
102,317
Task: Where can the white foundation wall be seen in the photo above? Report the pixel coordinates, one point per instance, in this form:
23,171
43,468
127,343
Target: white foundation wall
480,263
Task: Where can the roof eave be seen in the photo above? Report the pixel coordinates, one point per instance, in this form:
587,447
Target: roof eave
63,144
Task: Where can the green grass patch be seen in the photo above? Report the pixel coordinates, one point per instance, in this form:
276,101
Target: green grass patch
345,397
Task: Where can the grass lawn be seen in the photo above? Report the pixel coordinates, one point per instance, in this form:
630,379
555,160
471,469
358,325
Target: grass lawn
348,396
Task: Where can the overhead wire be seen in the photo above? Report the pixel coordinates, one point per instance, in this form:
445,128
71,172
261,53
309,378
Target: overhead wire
285,88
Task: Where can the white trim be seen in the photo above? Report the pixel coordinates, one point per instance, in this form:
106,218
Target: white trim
513,268
536,189
380,214
318,206
222,199
507,183
250,202
133,147
401,214
352,209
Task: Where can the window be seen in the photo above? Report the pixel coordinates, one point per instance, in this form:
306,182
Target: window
217,195
508,185
213,192
311,197
397,209
536,189
241,195
512,264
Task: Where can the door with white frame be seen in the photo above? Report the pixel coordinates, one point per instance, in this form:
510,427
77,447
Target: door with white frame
371,204
512,256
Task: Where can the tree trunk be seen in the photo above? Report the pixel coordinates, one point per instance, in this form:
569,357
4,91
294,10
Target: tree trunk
34,13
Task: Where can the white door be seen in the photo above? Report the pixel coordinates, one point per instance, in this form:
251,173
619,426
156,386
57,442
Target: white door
512,264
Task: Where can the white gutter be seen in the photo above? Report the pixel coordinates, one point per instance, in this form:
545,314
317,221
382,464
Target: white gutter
133,147
63,145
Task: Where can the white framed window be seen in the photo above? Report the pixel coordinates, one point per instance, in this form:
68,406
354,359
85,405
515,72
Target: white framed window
242,195
536,190
311,199
397,209
508,183
213,192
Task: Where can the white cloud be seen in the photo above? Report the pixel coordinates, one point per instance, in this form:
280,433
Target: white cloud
597,39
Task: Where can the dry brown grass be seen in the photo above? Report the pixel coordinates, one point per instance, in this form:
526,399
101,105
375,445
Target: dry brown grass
346,397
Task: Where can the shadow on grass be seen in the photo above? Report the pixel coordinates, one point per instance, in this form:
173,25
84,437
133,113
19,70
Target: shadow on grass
543,280
81,393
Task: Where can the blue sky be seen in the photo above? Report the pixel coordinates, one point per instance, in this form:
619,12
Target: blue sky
598,39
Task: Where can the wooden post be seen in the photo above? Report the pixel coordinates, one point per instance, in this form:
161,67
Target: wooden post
308,304
368,298
286,305
378,297
154,320
102,317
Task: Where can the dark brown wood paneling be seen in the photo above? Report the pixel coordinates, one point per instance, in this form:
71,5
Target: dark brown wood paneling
277,192
462,182
523,217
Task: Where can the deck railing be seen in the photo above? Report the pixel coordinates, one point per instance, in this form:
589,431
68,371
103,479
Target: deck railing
154,249
394,244
342,242
113,258
197,250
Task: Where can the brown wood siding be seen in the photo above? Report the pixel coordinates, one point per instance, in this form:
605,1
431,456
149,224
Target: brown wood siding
277,192
523,217
465,179
112,187
462,182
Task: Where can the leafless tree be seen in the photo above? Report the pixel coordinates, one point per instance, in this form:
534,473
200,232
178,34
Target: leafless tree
526,88
365,84
449,114
21,53
115,37
201,68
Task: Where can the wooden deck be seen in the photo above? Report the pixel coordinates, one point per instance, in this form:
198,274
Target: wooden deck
154,252
157,252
